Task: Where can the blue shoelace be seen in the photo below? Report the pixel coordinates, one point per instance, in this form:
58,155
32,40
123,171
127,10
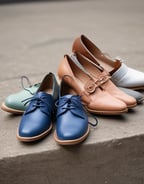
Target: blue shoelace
71,104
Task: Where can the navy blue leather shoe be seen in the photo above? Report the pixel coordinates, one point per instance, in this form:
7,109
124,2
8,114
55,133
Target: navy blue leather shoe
71,119
36,122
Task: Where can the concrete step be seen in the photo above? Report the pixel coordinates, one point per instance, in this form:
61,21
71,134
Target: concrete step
33,39
113,153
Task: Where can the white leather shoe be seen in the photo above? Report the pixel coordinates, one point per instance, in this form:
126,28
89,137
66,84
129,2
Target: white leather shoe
128,77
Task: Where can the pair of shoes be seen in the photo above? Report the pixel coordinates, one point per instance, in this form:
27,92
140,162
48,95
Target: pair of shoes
121,74
71,117
14,102
93,84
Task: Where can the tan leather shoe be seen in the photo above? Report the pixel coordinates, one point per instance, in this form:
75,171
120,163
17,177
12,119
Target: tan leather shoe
95,99
99,73
121,74
87,48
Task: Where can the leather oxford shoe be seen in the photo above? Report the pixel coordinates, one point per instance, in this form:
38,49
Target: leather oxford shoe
36,122
71,119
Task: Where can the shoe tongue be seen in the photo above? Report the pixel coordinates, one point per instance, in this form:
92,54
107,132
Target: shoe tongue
32,89
42,94
68,96
116,66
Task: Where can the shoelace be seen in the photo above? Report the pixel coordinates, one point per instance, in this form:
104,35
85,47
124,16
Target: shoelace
72,103
38,103
94,117
28,82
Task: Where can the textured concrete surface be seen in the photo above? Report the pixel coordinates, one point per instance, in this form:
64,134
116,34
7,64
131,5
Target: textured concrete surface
120,162
33,39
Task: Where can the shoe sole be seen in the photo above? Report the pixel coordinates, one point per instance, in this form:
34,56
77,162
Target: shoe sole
71,142
132,106
107,112
10,110
34,138
137,88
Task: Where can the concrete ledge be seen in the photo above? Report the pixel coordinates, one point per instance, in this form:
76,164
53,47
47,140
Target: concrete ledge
33,39
113,152
112,162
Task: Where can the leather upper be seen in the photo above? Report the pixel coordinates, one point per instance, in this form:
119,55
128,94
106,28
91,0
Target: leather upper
38,115
37,118
98,101
102,79
15,101
128,77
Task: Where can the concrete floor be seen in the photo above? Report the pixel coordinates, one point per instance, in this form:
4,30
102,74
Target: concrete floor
33,39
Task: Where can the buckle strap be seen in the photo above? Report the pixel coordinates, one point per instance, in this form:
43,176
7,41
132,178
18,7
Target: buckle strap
92,84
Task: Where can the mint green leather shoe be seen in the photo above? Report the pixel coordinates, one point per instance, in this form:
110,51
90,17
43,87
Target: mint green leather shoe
14,103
